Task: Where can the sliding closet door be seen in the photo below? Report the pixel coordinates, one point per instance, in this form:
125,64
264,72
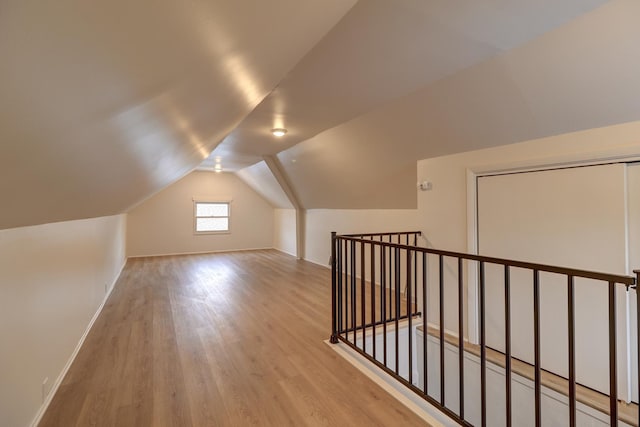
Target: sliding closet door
572,217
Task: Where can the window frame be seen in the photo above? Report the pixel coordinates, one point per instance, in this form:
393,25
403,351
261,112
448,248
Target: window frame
213,202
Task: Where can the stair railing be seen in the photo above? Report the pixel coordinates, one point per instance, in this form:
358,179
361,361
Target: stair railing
368,272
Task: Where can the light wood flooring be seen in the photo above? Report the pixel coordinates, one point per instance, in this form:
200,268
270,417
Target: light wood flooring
361,294
229,339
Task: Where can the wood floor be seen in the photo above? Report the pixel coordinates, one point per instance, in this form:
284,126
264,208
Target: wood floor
229,339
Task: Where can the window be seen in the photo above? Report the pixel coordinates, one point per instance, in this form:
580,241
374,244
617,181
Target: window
212,217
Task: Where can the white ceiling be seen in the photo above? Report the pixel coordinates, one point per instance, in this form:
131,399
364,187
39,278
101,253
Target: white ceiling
578,76
382,50
105,103
260,178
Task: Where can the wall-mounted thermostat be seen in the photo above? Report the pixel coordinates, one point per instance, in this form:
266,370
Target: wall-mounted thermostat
425,185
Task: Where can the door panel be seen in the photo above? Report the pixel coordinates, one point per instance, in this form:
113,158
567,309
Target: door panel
573,217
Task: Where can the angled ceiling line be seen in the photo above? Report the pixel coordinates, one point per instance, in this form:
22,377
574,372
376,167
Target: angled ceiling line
283,180
274,165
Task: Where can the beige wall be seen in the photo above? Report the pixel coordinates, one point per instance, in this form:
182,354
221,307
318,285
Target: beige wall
53,279
163,224
321,222
443,210
284,230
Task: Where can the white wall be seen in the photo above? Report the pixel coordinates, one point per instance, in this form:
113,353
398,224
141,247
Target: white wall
53,279
442,211
284,230
321,222
573,217
163,224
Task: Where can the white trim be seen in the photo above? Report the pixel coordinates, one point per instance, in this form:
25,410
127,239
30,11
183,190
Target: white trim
627,303
399,392
327,266
472,247
285,252
197,232
619,155
202,252
67,366
212,199
624,155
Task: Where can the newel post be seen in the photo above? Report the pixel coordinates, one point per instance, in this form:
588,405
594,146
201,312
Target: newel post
334,272
637,287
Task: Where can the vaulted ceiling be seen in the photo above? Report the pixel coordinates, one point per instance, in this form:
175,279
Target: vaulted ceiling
105,103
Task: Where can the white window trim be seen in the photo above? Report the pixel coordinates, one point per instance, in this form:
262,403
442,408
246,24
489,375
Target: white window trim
195,217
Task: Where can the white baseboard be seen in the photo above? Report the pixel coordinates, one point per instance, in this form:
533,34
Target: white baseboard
317,263
63,373
285,252
199,253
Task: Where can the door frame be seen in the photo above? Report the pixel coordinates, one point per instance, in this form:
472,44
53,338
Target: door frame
619,155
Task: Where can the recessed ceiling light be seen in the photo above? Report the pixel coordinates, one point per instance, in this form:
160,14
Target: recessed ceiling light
278,132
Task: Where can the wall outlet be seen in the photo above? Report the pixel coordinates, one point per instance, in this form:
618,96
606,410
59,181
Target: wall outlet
45,389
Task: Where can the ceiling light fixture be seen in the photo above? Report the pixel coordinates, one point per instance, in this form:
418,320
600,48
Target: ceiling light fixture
278,132
218,168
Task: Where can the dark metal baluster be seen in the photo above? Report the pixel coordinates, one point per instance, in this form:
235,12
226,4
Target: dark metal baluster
383,303
397,304
507,342
425,331
346,291
334,272
441,321
536,348
613,368
373,296
483,351
571,323
415,273
353,291
339,268
390,312
637,287
362,298
410,314
461,338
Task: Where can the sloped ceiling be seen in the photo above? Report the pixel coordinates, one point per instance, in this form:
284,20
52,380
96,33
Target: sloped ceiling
103,103
582,75
382,50
260,178
579,75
